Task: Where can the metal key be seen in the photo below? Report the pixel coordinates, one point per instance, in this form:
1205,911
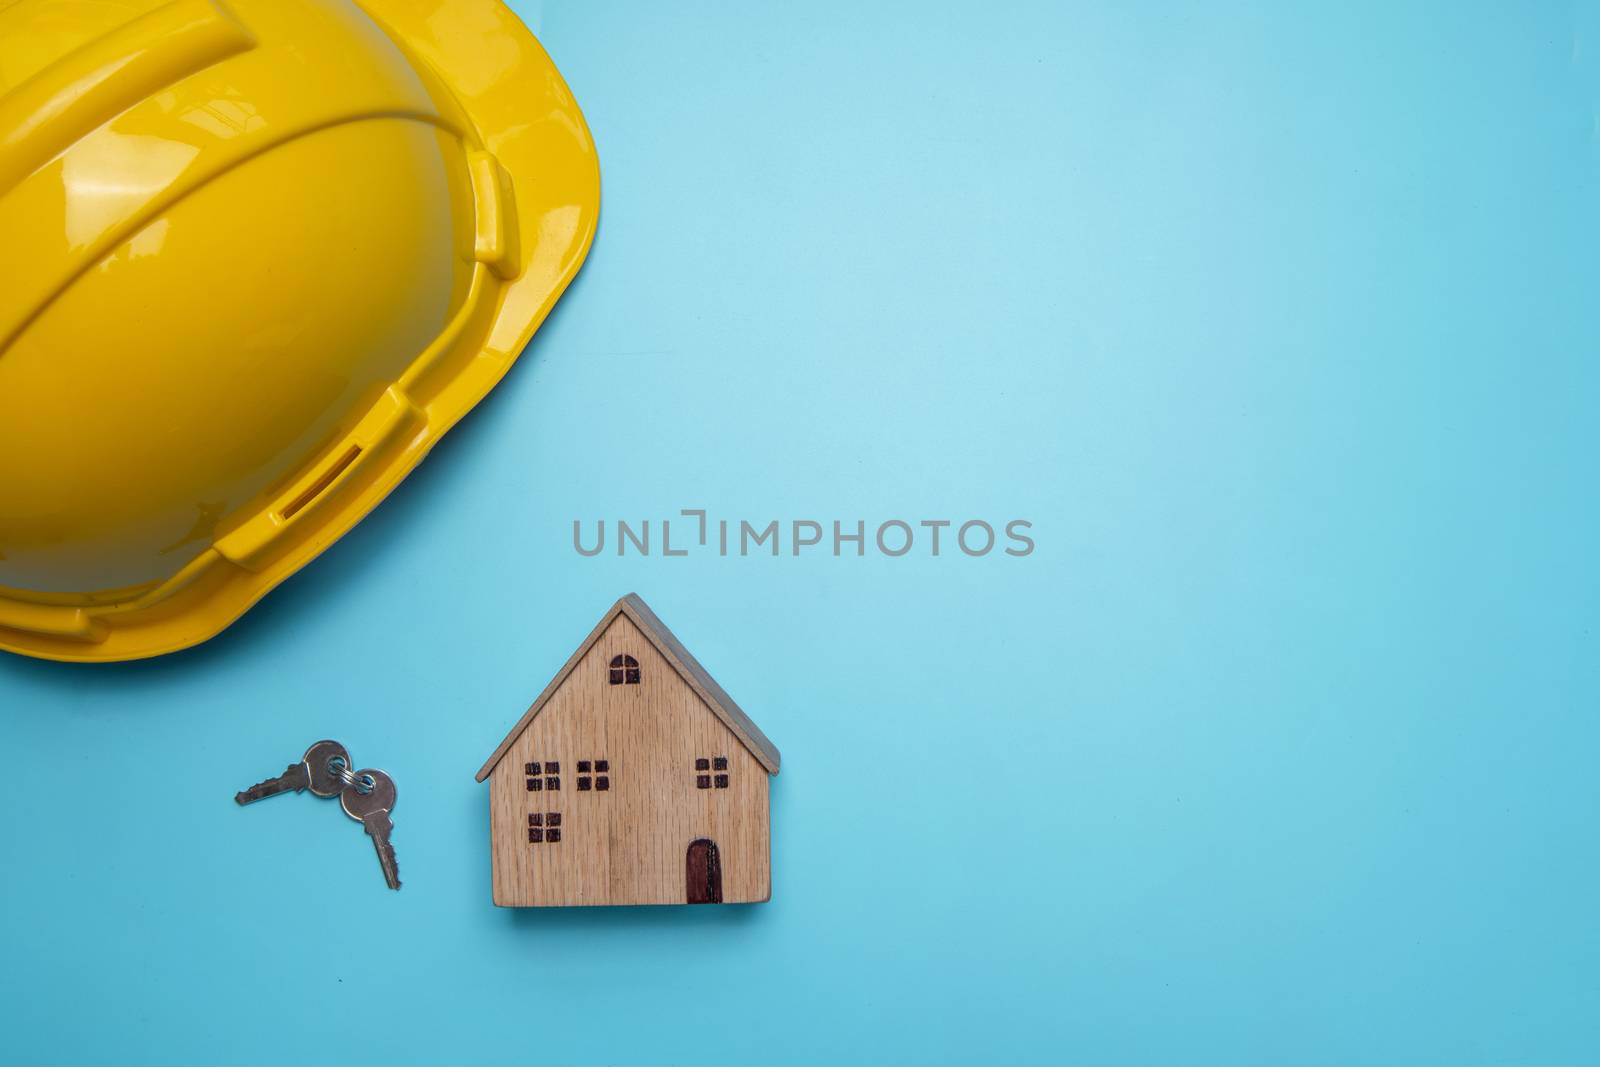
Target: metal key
371,809
316,771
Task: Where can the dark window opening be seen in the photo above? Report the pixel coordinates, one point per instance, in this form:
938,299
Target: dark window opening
624,671
705,781
586,769
535,770
544,827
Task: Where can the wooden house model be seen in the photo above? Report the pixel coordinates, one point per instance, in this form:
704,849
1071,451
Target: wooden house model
633,779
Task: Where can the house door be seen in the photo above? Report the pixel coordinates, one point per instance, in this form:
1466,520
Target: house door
704,871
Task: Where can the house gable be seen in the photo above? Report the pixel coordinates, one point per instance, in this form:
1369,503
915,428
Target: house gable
712,695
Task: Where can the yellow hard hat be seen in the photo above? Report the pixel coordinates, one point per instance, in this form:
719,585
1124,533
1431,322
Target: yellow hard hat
256,257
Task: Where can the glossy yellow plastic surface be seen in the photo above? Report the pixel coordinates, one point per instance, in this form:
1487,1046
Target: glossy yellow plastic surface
256,256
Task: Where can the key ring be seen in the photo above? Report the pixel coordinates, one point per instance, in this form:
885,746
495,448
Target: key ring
364,783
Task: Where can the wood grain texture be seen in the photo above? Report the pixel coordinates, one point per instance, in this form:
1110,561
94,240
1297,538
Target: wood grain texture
630,843
669,647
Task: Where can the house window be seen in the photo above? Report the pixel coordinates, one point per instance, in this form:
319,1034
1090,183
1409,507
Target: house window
624,671
544,827
594,774
542,776
706,781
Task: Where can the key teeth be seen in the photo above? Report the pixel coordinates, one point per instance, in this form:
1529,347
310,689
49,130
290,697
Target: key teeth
394,867
262,790
294,777
254,793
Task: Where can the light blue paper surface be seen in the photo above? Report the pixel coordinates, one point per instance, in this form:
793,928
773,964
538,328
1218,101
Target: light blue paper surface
1282,327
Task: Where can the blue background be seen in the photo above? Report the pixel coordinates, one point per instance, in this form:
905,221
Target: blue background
1282,328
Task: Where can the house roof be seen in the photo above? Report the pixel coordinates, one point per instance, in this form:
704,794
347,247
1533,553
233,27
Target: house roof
688,668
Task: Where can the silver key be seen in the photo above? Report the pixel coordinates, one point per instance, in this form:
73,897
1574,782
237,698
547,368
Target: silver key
316,771
371,809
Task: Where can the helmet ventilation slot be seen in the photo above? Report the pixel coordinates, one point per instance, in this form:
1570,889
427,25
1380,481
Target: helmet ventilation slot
316,488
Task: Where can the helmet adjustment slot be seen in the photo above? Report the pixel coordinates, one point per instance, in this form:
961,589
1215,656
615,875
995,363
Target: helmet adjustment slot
393,423
325,479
